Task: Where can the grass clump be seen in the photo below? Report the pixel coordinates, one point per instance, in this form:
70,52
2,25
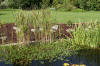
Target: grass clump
38,21
87,35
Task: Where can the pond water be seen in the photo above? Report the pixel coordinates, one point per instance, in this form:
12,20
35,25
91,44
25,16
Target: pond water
89,57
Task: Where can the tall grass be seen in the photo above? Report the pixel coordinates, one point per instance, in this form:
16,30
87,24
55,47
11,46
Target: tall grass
40,21
87,35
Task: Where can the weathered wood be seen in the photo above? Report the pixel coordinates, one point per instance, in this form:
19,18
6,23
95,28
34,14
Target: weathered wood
8,33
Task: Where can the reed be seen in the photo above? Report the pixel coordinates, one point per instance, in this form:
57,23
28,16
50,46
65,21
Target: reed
86,35
40,21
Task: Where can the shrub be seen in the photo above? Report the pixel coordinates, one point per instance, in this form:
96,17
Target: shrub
87,4
4,4
63,5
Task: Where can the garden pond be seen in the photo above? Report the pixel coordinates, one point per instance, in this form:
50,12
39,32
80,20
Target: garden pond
89,57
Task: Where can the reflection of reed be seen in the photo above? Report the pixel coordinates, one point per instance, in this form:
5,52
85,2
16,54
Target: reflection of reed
67,64
90,55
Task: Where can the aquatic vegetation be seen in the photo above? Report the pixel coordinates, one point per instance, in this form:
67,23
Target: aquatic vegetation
78,65
25,54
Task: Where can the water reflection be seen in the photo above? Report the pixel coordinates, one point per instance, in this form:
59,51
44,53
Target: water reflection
4,64
89,57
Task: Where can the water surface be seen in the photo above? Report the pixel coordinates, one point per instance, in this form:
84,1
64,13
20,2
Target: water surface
89,57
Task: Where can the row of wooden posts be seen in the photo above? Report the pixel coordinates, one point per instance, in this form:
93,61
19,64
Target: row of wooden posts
8,33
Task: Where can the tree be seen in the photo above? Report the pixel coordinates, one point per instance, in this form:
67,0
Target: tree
87,4
1,1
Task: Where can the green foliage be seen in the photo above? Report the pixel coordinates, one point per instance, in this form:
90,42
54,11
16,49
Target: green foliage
30,4
1,1
45,3
66,5
78,10
4,4
87,35
88,4
27,19
12,4
69,23
23,55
